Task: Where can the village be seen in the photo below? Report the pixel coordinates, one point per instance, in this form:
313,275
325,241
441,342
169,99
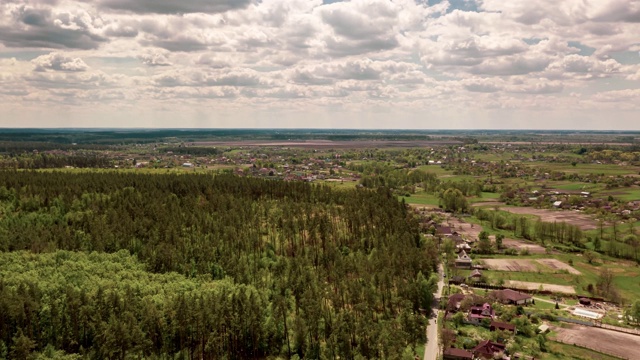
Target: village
485,318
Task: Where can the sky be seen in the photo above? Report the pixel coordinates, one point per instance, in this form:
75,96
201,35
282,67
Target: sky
401,64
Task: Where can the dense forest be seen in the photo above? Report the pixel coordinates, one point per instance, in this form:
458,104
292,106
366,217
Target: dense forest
118,265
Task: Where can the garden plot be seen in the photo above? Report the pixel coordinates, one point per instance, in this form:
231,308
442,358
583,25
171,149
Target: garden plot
625,346
558,265
525,285
522,265
521,245
529,265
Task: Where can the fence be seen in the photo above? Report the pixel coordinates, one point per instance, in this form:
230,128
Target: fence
619,329
575,321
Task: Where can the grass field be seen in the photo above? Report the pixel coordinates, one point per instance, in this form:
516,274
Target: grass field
575,186
625,194
605,169
421,199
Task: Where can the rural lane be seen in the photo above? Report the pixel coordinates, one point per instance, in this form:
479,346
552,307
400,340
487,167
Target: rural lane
432,349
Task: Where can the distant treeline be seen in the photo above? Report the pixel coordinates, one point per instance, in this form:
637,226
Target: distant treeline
191,150
131,136
53,161
207,267
12,148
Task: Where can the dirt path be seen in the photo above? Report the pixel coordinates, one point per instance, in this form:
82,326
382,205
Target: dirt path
619,344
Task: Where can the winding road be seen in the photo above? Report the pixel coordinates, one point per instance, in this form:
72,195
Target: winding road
431,350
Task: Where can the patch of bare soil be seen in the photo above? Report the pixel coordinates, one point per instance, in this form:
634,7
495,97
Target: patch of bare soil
464,228
625,346
570,217
524,265
556,264
535,286
520,245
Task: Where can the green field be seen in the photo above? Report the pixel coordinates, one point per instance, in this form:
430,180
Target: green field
625,194
421,199
606,169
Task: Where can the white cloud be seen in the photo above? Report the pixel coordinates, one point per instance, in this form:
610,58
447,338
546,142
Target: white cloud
59,62
393,62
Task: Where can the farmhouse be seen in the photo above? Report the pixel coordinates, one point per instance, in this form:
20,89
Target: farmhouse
463,246
476,275
463,260
487,349
453,304
479,313
496,325
456,354
508,296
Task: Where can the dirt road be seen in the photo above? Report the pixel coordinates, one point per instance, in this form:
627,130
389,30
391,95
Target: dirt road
432,349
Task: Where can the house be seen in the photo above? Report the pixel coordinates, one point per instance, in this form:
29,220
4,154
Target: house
463,260
453,303
496,325
456,354
487,349
476,275
463,246
557,204
444,231
456,280
479,313
512,297
457,239
187,164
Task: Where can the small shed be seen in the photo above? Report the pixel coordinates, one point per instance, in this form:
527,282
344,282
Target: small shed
584,301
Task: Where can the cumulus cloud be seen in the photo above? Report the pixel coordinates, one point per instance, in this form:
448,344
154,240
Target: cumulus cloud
58,62
43,28
154,59
174,7
235,77
401,57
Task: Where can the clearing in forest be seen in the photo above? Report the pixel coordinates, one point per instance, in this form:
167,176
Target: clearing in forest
536,286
